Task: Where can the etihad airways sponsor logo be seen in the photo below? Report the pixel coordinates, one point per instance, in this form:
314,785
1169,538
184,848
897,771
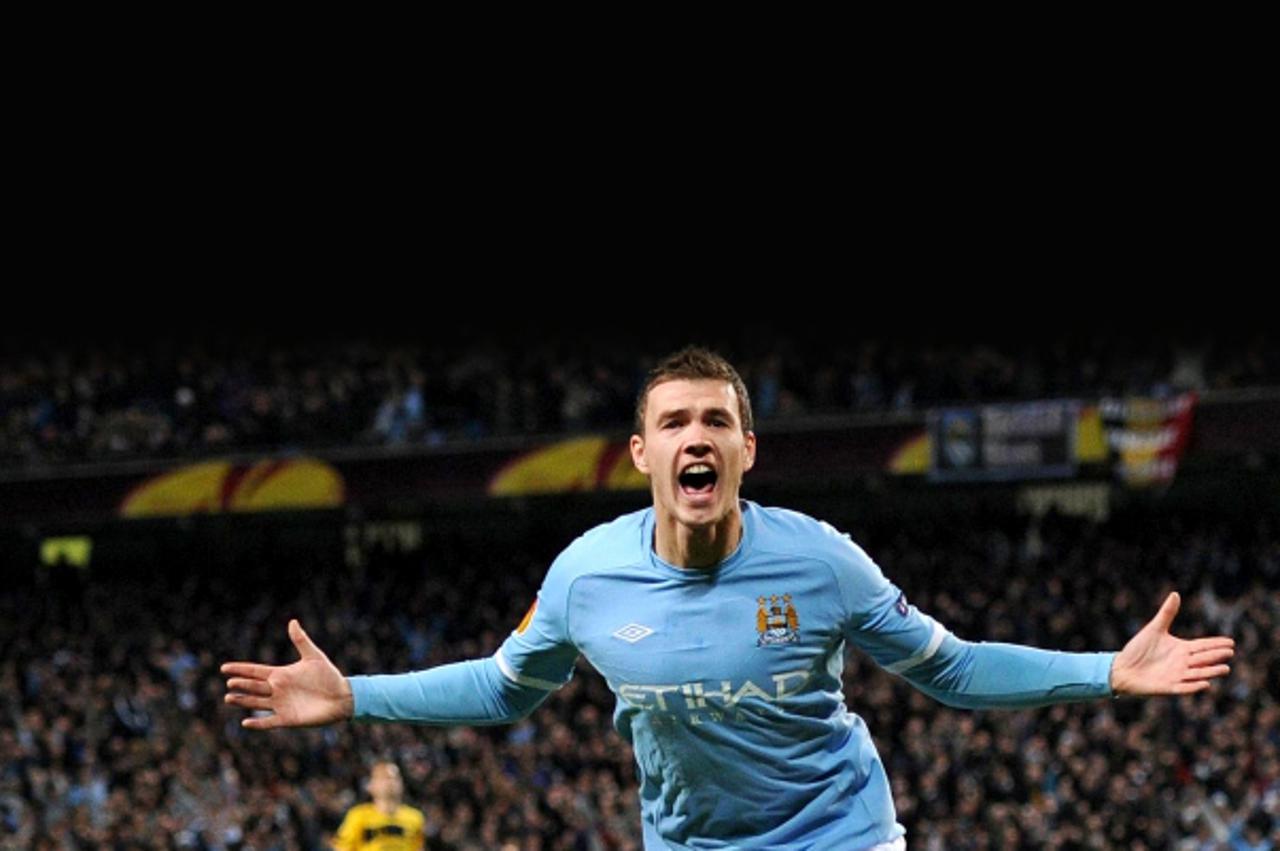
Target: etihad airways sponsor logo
673,697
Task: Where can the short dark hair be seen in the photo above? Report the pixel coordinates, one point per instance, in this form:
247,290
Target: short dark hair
695,363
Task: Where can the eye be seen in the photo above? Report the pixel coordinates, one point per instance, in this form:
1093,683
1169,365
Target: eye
671,424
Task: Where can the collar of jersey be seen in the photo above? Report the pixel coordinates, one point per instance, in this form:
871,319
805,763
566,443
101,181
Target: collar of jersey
702,574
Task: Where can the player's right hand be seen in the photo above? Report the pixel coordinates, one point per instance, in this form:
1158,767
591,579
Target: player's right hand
309,693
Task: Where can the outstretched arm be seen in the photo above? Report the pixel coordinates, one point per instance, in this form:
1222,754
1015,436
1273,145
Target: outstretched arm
995,675
474,693
313,692
979,675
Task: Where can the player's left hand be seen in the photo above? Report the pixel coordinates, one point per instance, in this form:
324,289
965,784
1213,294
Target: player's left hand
1155,662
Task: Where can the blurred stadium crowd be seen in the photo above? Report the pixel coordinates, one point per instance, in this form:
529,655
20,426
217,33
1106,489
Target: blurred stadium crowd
112,401
114,732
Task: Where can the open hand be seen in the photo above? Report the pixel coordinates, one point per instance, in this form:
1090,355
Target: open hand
1155,662
309,693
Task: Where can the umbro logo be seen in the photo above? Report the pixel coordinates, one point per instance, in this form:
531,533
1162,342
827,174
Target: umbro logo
633,632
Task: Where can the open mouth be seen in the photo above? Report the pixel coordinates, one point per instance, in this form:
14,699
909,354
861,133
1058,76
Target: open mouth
698,480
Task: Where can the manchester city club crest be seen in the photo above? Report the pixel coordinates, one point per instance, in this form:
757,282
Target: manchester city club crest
777,622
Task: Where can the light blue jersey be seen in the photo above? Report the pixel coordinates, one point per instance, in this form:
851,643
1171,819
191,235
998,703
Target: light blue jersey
728,679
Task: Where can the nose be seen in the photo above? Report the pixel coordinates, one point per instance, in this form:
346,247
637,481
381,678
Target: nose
698,447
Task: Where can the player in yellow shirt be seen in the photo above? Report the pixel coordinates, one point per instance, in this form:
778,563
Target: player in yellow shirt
385,824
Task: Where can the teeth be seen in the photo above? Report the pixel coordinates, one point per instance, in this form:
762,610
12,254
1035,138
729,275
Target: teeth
698,468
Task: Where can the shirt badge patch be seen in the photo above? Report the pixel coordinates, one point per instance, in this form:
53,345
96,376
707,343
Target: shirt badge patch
901,605
528,618
777,622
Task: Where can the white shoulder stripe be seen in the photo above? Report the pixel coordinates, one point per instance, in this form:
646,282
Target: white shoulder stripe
935,641
532,682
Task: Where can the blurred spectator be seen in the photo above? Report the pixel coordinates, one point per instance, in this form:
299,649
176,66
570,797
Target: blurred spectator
385,823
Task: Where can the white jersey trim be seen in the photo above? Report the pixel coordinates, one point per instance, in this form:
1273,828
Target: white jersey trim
899,844
935,641
532,682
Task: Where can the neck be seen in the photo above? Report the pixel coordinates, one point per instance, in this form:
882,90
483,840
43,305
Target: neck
387,805
697,547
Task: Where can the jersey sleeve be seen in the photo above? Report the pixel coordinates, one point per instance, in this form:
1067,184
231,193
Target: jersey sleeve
472,692
535,659
965,674
540,652
877,616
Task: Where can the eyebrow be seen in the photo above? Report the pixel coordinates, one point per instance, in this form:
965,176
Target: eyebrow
723,412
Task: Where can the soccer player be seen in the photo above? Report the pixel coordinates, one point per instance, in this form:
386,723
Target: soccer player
721,626
385,824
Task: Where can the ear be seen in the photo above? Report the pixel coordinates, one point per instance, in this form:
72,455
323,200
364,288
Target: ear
637,454
749,450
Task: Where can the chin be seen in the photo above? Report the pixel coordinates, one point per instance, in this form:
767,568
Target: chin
706,516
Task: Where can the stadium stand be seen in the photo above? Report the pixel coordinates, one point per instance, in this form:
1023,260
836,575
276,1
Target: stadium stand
115,734
183,399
